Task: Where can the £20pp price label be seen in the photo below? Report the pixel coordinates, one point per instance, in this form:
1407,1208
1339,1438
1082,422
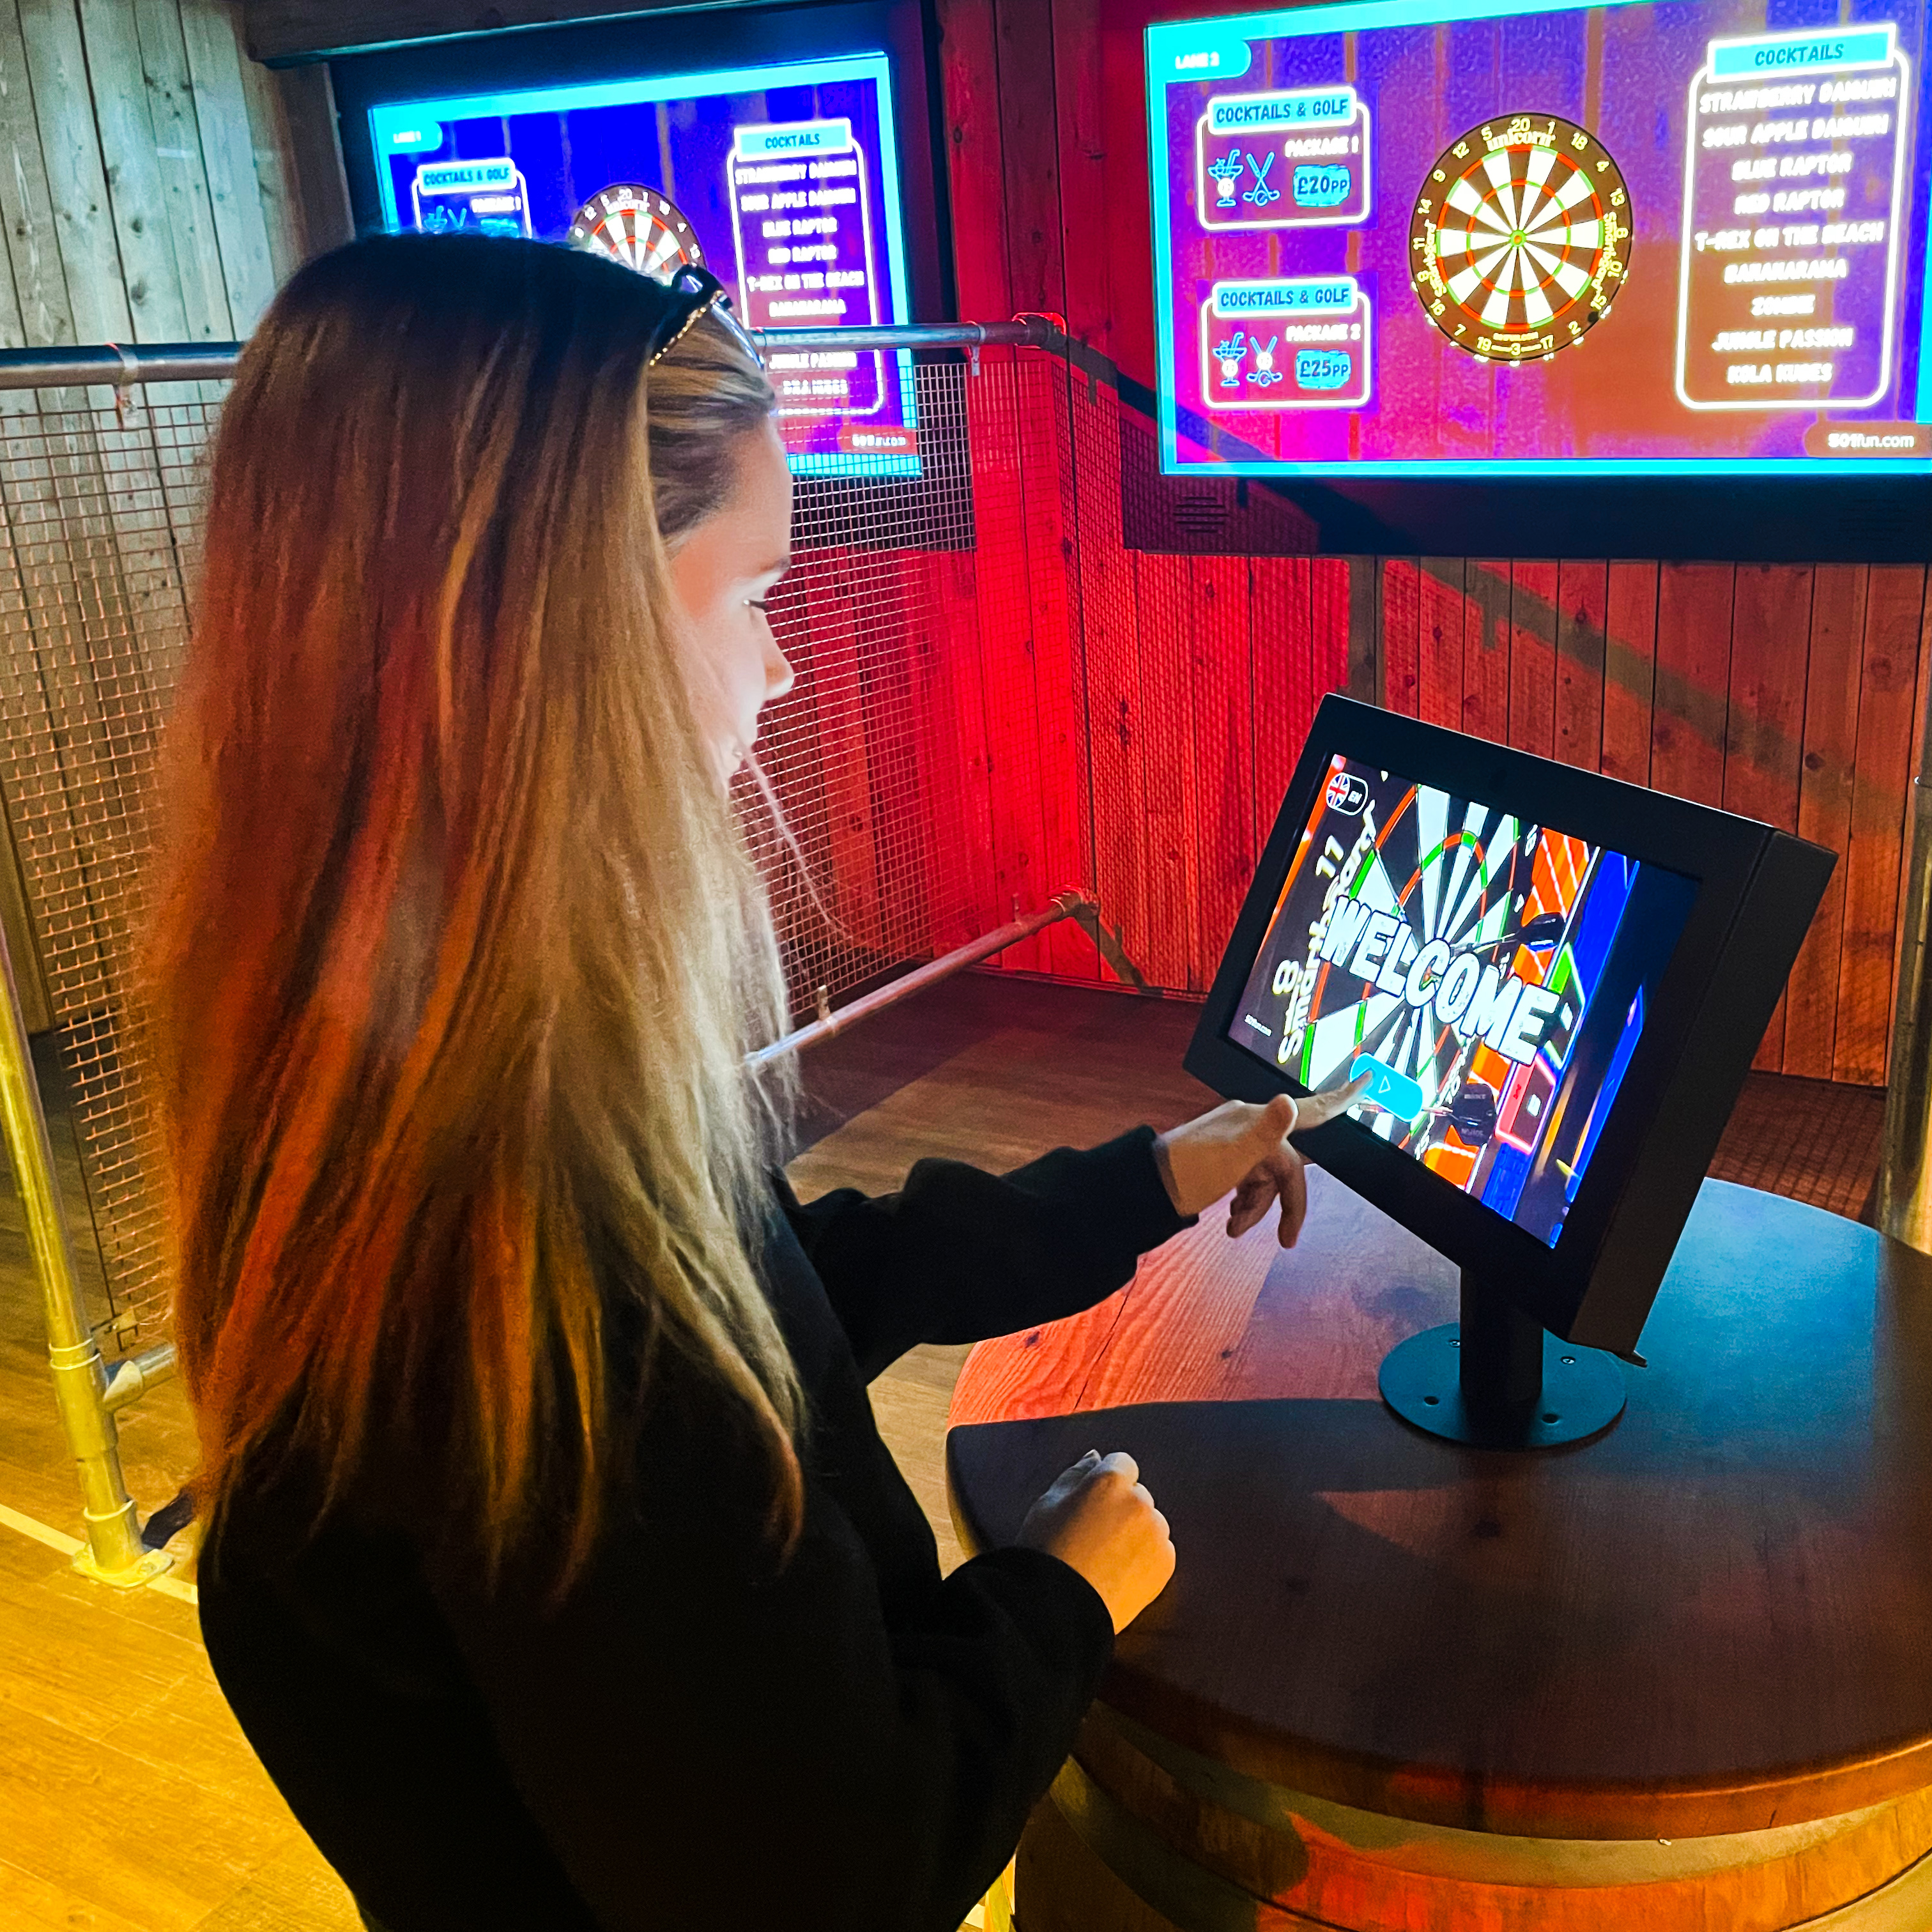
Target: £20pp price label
1298,158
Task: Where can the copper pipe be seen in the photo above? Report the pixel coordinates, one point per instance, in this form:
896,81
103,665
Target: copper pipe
1905,1161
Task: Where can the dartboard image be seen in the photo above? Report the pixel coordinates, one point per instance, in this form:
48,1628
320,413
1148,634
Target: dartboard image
1520,238
1450,870
638,226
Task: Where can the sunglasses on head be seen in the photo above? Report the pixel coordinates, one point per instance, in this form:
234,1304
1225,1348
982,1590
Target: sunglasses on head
694,293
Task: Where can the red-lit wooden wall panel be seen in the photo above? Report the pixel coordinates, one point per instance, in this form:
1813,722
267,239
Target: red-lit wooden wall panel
1794,694
1790,693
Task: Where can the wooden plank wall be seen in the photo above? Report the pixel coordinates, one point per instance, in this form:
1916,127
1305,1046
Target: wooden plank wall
1123,718
145,195
1791,693
1118,699
147,171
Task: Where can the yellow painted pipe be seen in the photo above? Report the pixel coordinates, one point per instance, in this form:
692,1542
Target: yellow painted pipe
113,1551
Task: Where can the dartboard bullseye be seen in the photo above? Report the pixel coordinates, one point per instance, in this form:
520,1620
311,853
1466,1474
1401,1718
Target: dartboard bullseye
1520,238
639,227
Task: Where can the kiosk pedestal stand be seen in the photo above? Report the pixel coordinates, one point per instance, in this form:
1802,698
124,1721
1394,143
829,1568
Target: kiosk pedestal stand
1497,1379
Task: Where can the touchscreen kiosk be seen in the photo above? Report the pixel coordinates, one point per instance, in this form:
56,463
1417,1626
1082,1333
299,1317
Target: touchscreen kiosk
1554,983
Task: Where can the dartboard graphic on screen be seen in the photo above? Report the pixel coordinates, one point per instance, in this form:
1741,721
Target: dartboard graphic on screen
639,227
1460,877
1477,968
1520,238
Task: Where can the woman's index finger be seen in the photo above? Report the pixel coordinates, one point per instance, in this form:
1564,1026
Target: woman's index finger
1325,1105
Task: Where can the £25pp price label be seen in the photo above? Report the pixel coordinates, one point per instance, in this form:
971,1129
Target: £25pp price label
1297,342
1788,292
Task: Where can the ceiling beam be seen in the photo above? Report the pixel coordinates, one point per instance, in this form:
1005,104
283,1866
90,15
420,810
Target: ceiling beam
279,32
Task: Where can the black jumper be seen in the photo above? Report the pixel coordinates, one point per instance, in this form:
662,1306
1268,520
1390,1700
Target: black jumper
691,1740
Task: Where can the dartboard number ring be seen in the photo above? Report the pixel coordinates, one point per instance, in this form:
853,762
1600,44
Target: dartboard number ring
638,226
1520,239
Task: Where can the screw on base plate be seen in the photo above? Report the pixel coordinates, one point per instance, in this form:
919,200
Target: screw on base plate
1497,1380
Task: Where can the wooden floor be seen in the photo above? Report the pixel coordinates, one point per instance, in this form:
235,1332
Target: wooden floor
1814,1140
129,1802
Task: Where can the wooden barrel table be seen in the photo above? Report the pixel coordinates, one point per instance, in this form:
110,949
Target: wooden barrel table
1678,1678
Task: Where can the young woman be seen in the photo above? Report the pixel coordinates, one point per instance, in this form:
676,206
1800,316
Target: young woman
554,1567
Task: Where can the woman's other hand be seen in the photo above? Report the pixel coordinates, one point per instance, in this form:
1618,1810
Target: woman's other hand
1099,1517
1244,1147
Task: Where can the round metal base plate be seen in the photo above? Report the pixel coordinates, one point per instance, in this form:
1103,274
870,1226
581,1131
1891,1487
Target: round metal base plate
1582,1393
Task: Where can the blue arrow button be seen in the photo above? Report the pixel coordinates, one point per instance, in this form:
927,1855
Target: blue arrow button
1387,1088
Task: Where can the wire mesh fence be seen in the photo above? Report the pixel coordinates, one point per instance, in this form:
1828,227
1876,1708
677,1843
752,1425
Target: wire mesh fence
1204,634
102,507
886,574
933,761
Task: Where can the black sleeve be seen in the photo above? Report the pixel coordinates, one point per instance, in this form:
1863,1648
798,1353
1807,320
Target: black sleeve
957,1255
702,1746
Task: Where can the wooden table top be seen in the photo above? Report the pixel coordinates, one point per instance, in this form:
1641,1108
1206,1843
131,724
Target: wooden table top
1714,1618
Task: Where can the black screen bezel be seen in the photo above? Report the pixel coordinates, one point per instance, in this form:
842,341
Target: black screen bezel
1718,852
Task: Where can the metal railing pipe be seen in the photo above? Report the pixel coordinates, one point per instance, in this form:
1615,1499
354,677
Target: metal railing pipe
912,335
128,1380
1068,905
113,365
113,1552
1905,1160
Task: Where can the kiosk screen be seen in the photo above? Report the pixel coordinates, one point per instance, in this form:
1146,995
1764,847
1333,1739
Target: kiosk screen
1489,974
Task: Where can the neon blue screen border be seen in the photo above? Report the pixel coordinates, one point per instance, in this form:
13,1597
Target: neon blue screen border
1357,17
561,96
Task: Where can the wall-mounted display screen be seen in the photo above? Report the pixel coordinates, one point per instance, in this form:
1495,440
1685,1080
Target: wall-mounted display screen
1489,976
782,179
1476,238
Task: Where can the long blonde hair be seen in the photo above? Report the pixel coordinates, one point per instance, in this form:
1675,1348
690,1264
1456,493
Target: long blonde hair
458,953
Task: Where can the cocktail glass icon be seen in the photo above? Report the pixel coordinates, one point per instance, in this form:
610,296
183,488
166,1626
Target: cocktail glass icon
1226,173
1265,372
1231,354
